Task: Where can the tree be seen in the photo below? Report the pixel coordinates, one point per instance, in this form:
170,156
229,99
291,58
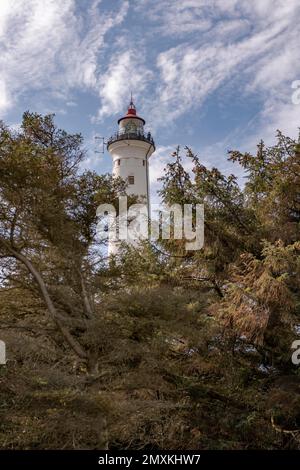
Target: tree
230,226
272,188
183,349
48,222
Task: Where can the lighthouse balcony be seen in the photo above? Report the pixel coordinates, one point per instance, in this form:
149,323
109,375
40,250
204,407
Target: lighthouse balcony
133,135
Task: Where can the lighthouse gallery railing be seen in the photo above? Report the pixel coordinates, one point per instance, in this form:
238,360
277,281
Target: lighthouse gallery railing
131,136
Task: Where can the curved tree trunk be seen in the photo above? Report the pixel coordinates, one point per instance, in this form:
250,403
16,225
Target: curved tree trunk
72,342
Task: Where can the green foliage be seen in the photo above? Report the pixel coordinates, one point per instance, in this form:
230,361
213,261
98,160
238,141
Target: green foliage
163,348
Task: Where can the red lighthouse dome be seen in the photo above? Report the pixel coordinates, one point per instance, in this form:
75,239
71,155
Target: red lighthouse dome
131,113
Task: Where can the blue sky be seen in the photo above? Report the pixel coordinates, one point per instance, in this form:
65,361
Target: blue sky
211,74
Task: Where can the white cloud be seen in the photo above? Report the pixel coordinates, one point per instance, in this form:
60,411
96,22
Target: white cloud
268,55
157,165
158,162
251,46
173,55
125,73
5,100
47,44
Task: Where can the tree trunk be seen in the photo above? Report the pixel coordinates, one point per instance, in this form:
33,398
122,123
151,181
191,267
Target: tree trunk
73,343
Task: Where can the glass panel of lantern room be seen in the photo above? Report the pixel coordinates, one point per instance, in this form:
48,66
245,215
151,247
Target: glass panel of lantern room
128,123
130,127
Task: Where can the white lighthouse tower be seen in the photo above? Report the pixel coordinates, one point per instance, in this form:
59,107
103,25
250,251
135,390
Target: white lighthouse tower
130,149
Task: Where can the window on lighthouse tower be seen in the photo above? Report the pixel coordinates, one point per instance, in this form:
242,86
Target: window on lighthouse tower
131,179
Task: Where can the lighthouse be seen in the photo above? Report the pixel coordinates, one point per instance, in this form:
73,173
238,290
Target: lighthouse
130,149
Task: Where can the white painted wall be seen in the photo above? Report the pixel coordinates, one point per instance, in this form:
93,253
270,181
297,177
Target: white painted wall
130,158
132,155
